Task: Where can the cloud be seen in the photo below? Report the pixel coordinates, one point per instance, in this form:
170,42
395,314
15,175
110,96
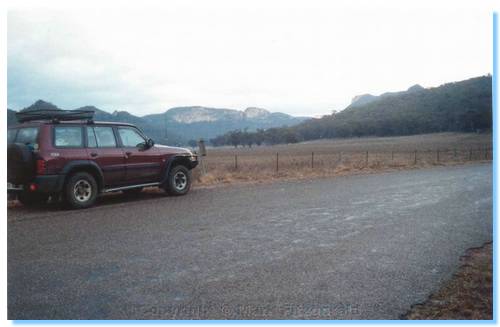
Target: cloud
298,59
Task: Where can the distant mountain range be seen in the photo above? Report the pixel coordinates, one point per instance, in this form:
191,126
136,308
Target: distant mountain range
181,124
463,106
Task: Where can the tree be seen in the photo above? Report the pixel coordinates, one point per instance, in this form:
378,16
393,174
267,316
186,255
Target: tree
235,138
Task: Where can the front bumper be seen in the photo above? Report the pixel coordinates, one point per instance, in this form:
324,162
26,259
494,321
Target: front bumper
41,184
193,161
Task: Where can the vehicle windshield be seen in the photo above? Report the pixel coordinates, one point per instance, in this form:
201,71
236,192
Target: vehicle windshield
25,135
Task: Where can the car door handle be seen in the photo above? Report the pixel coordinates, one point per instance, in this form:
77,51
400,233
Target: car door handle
93,154
128,154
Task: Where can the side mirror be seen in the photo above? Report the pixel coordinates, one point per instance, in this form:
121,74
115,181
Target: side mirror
150,143
146,145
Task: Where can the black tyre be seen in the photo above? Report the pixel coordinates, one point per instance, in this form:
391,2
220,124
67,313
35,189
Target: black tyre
178,181
80,190
20,163
132,191
30,199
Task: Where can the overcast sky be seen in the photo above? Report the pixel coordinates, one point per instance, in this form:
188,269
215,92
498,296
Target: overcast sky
307,58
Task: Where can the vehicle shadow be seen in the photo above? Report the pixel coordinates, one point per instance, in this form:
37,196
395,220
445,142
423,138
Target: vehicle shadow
102,201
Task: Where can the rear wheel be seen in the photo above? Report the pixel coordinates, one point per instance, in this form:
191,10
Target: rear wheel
179,181
32,199
80,190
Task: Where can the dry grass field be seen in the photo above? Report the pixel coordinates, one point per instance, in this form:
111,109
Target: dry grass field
468,295
340,157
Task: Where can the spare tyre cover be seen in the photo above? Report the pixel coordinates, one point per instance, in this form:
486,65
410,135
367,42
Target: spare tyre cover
20,163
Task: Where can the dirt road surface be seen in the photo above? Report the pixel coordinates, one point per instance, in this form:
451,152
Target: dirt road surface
357,247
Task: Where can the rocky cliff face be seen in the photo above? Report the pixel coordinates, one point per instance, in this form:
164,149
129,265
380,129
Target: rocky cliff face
361,100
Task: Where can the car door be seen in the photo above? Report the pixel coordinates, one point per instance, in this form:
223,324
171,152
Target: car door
103,149
142,162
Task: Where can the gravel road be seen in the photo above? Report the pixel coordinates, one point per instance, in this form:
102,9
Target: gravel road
358,247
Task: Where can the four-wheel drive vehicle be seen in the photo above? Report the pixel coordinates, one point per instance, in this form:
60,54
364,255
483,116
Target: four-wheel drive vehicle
66,155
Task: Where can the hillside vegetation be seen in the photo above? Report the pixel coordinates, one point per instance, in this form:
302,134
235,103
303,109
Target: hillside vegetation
454,107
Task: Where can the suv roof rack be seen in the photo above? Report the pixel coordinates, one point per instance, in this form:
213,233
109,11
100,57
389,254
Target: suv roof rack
54,115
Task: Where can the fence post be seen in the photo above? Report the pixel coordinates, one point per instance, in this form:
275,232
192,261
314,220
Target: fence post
437,155
312,160
366,159
277,161
470,154
392,155
235,162
415,158
202,165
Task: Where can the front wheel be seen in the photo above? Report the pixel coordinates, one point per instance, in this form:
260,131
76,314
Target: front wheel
80,190
179,181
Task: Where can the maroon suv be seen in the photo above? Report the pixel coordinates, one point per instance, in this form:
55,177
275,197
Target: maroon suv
66,155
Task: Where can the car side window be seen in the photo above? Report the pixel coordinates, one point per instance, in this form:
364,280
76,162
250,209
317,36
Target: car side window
91,139
105,137
68,136
130,137
27,135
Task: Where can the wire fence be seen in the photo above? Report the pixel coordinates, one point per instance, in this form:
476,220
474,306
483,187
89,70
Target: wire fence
283,161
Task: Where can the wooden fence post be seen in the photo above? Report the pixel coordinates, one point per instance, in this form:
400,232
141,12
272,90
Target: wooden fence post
366,159
470,154
415,158
312,160
437,155
202,165
277,161
235,162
